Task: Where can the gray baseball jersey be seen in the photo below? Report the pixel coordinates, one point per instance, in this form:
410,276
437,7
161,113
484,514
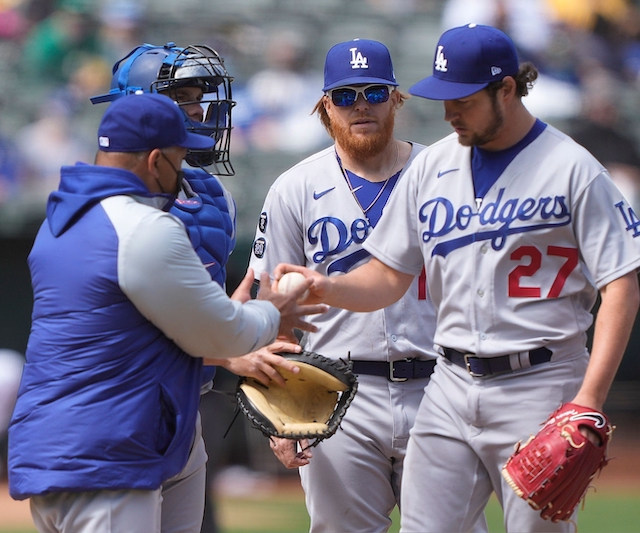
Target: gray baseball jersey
310,218
515,272
522,269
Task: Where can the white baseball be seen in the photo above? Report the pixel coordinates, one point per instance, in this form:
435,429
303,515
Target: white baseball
290,282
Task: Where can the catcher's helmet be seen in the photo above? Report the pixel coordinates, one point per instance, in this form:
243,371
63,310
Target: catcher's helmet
163,69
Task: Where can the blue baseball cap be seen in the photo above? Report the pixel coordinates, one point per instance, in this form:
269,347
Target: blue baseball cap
141,122
360,61
467,59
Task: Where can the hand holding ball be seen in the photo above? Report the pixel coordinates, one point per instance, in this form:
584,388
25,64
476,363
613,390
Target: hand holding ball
290,282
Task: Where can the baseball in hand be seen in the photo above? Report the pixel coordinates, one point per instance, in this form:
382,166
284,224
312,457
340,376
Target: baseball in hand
290,282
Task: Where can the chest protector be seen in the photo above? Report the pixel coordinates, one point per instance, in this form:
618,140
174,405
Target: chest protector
209,221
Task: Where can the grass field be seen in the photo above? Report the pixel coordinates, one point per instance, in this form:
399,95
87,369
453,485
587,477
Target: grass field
284,512
602,514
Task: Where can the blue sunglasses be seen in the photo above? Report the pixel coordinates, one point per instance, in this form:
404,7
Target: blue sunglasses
374,94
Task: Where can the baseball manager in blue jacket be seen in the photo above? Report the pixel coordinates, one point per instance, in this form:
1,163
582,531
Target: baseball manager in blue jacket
124,311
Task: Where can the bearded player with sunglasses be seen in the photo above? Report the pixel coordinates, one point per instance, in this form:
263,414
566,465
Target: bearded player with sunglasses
318,214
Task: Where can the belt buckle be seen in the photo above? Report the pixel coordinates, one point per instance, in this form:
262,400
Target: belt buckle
468,365
392,377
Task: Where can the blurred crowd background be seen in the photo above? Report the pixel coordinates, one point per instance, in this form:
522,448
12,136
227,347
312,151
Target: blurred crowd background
54,55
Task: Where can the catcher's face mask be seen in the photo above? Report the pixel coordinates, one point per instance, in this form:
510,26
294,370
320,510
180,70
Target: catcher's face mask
164,69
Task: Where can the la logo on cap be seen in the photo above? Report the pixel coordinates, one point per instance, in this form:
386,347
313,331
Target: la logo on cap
358,62
441,61
357,59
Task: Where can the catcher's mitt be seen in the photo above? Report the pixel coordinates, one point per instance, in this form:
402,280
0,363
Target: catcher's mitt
310,406
552,471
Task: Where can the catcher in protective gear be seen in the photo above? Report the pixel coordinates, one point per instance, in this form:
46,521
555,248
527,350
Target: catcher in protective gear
310,406
165,69
553,470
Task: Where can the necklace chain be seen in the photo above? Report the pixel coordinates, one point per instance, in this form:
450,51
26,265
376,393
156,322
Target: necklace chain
384,185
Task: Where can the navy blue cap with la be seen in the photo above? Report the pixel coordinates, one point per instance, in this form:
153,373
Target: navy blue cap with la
143,122
358,62
467,59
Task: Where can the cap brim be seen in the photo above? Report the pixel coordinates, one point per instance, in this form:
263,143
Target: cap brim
358,80
436,89
197,142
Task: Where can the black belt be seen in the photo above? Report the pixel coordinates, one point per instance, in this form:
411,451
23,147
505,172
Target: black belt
482,366
396,370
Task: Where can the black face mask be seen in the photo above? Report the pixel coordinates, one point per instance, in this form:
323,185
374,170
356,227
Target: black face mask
179,178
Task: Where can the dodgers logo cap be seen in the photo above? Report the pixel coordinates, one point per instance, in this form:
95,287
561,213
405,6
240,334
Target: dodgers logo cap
141,122
360,61
467,59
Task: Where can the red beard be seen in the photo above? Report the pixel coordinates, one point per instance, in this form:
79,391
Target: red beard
363,146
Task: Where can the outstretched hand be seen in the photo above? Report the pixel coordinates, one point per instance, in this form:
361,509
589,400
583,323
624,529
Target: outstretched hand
291,313
319,287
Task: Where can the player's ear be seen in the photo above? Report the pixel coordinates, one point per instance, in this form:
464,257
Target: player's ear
325,102
398,101
509,86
